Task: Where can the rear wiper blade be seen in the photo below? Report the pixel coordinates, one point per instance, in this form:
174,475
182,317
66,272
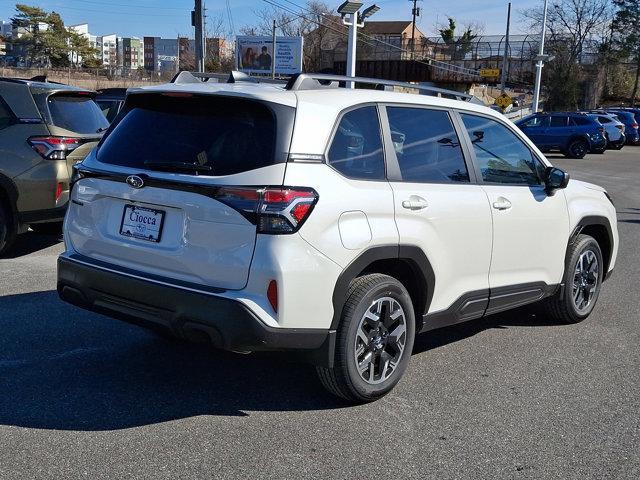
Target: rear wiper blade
180,166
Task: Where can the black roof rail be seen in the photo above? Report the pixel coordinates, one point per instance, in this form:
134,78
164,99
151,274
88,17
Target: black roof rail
234,76
315,81
44,79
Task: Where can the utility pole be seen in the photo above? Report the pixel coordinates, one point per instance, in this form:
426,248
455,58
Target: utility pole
273,55
505,58
540,64
197,19
415,11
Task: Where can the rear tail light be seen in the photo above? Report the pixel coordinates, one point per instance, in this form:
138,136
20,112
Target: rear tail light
54,148
620,127
601,129
279,210
634,125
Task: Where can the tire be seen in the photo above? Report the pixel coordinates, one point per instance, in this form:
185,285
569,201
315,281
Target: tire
578,148
619,145
563,307
52,228
360,337
8,229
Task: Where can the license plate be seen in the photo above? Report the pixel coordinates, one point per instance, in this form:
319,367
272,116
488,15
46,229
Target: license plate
143,223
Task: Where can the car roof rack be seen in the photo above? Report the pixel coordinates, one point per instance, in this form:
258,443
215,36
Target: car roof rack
234,76
313,81
316,81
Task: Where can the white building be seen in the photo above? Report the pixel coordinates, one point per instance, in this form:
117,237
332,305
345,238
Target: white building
82,29
107,46
6,29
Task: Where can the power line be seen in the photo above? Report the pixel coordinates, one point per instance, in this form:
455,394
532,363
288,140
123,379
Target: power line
132,5
109,12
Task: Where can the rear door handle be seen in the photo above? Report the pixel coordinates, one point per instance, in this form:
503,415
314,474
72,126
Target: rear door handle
502,204
415,203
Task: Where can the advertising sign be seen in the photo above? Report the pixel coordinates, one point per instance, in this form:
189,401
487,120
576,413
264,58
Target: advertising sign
255,54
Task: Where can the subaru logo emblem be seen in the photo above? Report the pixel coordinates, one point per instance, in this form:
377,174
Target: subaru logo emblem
135,181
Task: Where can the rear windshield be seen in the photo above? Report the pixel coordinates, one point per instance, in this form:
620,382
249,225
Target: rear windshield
75,113
225,135
627,117
109,108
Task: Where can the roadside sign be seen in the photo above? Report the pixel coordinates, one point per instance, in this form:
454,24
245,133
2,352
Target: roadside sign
490,72
254,54
503,101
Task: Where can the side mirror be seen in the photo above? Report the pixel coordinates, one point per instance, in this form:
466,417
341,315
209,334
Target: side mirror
555,179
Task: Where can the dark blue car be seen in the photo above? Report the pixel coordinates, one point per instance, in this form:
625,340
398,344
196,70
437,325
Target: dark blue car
573,134
631,118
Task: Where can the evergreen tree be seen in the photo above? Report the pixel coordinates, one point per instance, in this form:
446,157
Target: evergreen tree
31,23
458,47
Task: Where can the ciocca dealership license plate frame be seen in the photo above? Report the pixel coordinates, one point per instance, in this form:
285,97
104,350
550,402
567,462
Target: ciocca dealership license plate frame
140,229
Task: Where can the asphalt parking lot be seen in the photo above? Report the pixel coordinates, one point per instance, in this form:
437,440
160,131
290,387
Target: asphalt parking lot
511,396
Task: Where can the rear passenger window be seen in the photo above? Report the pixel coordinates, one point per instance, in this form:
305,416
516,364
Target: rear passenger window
6,117
558,121
539,121
356,149
426,145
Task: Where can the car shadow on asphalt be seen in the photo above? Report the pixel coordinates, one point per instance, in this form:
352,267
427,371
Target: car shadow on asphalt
31,242
66,369
520,317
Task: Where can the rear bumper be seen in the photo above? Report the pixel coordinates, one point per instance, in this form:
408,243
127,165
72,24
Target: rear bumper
633,139
42,216
599,143
194,315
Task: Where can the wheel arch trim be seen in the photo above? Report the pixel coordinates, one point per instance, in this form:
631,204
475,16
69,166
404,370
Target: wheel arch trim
412,254
593,220
9,187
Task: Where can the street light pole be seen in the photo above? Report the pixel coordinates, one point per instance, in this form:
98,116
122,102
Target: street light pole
352,45
351,16
540,64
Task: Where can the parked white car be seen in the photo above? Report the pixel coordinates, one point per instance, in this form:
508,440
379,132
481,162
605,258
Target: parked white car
331,222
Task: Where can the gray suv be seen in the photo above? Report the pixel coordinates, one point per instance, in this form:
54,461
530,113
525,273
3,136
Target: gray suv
45,128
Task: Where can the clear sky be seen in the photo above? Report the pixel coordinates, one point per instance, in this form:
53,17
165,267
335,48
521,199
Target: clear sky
169,18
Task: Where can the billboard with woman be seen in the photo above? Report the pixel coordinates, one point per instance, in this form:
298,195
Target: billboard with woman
255,55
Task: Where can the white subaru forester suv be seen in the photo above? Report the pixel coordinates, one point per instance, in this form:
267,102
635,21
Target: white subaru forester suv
334,223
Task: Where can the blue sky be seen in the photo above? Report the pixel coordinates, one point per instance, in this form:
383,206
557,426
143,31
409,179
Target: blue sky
169,18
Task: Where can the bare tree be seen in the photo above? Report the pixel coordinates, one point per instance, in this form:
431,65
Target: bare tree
313,22
572,22
571,26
